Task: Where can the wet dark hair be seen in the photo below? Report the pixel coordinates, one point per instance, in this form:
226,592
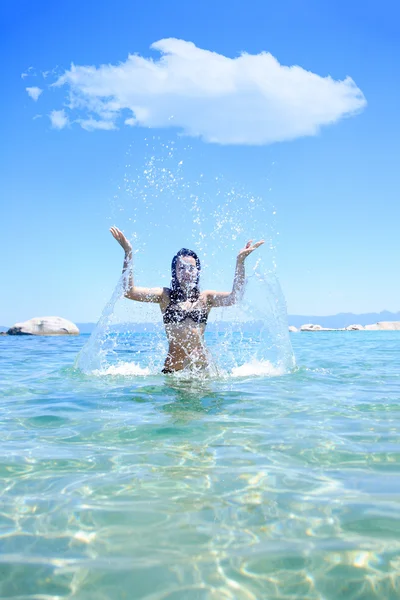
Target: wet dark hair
178,294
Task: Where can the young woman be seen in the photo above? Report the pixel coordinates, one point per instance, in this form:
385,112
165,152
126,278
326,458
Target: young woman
184,307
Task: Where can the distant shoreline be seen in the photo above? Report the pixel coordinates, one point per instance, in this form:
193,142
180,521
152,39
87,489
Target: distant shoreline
333,322
338,321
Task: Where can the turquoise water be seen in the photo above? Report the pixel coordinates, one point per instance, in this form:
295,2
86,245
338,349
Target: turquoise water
153,487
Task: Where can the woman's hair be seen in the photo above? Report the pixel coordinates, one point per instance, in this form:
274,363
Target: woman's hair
178,294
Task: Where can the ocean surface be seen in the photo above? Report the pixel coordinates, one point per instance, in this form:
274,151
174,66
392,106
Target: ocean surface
251,485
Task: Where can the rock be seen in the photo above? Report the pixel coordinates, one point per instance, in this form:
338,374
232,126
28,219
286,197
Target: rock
354,328
310,327
292,328
384,326
44,326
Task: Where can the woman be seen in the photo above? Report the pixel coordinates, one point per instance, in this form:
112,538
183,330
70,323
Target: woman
184,308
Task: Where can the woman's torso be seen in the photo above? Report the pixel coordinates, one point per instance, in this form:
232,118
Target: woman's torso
185,324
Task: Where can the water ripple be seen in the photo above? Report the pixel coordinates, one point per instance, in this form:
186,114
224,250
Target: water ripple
240,488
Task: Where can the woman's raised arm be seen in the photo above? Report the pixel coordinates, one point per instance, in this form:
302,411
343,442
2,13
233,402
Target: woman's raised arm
140,294
215,299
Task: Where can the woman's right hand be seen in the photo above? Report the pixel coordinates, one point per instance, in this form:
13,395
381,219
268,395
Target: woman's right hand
121,239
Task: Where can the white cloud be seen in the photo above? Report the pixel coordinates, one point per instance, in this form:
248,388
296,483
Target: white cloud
58,119
34,92
251,99
92,124
28,73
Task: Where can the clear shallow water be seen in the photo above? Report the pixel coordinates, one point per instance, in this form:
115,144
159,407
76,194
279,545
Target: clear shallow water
240,488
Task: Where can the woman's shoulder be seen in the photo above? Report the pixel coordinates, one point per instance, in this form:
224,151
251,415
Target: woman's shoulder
205,296
166,297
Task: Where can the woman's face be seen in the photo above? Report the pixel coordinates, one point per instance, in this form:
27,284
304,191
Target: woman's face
186,270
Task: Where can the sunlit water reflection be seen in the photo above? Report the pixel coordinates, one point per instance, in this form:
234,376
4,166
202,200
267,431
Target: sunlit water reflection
247,487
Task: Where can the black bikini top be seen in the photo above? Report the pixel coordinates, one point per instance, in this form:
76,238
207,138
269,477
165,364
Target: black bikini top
175,314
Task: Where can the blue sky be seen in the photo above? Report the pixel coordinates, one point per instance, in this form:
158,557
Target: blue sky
335,232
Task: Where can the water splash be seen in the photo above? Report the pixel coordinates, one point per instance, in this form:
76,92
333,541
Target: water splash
215,218
126,369
95,353
258,368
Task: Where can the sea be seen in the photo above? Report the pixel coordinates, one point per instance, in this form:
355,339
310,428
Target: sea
259,482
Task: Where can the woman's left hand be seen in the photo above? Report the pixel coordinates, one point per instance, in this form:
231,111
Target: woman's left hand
249,248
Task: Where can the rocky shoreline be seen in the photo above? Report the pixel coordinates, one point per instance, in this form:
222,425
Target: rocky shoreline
60,326
380,326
